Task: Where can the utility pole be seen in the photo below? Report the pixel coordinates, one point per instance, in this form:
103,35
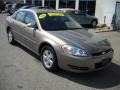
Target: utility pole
77,4
86,6
57,4
33,2
43,3
24,1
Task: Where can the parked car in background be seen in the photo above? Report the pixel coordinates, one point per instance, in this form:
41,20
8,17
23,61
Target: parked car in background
16,6
40,7
2,6
81,17
59,40
27,7
8,8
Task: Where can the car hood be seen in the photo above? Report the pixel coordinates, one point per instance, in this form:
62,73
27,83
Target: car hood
87,40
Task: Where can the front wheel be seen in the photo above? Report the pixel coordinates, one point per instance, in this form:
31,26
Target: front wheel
49,59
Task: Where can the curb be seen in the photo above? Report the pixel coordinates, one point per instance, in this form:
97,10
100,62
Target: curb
99,30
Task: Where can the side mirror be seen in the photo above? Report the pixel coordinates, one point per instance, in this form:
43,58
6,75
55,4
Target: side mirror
32,25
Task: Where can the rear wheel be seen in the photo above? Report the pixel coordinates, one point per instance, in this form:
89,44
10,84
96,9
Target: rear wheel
49,59
10,37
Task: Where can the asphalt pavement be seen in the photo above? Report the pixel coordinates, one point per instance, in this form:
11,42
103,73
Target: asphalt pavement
21,69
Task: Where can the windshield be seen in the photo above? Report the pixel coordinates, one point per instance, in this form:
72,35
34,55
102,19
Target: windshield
57,21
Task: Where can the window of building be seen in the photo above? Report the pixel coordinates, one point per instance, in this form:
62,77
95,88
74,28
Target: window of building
29,1
38,2
70,3
50,3
87,6
66,3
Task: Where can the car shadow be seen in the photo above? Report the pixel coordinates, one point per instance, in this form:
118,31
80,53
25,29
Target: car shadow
37,58
117,30
101,79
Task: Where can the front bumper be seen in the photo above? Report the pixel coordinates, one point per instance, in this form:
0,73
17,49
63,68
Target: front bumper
84,64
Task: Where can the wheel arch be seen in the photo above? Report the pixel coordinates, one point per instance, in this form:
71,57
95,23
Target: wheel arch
45,44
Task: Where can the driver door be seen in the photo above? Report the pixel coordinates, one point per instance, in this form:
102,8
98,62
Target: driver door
30,32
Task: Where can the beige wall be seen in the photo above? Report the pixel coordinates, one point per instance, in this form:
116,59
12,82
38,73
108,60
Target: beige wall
105,8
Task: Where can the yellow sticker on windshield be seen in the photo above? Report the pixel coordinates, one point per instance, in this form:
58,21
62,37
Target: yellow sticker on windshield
55,14
42,16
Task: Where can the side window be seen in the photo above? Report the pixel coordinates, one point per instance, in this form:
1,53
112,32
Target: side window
30,18
20,16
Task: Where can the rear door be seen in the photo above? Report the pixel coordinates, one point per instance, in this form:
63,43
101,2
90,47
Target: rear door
19,25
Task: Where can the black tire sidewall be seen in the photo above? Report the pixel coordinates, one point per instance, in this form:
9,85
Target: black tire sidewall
55,63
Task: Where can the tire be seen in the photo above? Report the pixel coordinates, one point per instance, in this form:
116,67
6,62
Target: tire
49,59
94,24
10,37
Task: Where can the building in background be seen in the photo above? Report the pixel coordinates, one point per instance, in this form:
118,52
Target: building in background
14,1
83,5
105,9
102,9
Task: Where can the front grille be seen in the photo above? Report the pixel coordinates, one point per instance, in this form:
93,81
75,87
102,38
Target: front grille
102,53
78,68
102,63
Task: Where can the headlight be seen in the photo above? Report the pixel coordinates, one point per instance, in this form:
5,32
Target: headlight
72,50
